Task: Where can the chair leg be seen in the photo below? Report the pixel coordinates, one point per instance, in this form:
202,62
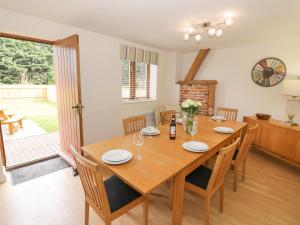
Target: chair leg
207,210
221,198
235,178
145,211
21,124
86,214
11,129
244,170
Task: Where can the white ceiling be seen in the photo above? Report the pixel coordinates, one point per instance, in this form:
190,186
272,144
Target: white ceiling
160,23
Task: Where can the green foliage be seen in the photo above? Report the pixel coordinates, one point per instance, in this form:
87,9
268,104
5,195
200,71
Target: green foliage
25,62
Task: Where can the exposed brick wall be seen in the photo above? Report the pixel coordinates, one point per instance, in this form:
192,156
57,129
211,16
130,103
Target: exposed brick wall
205,93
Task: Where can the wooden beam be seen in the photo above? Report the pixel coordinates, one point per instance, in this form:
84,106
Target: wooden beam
196,64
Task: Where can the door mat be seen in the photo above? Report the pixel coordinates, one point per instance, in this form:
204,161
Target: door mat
36,170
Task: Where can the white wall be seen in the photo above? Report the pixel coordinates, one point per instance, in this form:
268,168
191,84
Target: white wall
232,67
100,73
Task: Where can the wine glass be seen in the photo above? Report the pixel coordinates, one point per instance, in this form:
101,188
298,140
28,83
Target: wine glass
220,118
210,111
138,140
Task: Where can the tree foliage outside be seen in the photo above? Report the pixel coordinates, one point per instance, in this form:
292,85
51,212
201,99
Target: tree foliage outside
25,62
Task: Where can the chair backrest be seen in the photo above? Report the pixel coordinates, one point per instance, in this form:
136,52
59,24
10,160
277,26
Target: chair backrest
92,182
157,111
134,124
166,116
222,165
177,109
246,143
228,113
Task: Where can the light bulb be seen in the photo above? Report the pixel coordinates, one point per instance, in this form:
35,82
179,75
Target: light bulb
211,31
219,32
186,37
198,37
191,30
228,21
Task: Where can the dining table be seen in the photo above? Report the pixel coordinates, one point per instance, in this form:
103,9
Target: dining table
165,159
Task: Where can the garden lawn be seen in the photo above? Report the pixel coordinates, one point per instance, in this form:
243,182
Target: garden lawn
43,113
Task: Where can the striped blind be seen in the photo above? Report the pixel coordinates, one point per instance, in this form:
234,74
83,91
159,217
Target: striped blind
138,55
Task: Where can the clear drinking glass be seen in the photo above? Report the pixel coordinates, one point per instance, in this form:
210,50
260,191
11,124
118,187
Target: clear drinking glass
138,140
150,124
194,129
219,119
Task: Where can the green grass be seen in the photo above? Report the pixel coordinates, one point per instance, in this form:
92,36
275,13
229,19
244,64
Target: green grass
43,114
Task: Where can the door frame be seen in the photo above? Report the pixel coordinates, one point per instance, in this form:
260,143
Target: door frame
43,41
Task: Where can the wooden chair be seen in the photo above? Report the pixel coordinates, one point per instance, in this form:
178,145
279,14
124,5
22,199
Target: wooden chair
240,154
229,114
134,124
13,122
166,116
110,198
206,182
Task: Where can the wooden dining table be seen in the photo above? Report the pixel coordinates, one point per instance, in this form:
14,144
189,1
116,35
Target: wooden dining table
165,159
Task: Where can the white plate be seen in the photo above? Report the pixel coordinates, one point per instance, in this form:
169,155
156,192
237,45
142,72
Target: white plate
116,155
150,132
224,130
179,121
195,146
215,118
116,163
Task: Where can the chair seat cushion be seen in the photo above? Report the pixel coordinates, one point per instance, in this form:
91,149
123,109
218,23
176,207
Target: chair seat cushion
199,177
119,194
235,154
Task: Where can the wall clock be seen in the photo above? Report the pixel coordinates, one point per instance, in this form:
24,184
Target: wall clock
268,72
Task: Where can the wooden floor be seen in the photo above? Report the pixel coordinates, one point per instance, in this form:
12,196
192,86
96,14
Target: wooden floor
270,196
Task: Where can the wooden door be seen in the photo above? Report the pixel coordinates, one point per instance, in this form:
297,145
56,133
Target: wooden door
2,151
69,105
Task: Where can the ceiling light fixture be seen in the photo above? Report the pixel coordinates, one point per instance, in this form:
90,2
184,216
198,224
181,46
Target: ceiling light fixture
211,28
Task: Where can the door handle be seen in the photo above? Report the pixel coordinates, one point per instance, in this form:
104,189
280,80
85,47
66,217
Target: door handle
79,108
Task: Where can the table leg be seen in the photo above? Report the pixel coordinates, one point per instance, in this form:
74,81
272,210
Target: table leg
178,198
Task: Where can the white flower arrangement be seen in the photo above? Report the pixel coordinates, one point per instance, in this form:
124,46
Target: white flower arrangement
190,106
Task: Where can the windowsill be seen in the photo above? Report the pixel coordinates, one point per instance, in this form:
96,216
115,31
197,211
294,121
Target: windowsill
130,101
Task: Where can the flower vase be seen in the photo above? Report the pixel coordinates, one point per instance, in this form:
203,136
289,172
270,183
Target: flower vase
188,121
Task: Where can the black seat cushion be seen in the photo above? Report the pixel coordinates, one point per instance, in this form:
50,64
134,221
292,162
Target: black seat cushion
118,193
235,154
199,177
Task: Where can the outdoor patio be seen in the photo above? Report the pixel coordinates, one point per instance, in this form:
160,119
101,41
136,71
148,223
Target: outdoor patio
30,149
37,140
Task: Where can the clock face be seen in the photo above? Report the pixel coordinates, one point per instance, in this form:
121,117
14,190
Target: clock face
268,72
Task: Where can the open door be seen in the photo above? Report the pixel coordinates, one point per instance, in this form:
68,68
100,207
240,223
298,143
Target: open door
69,105
2,151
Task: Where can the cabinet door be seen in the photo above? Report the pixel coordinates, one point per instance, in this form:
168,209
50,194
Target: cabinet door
279,142
273,139
266,137
292,146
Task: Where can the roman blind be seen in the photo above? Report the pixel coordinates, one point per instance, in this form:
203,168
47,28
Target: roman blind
138,55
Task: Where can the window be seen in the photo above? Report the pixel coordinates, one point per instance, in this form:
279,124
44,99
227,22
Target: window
138,80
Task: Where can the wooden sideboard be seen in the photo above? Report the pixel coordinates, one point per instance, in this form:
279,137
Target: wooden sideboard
275,137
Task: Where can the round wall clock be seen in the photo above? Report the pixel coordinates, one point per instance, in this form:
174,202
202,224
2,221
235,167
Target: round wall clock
268,72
